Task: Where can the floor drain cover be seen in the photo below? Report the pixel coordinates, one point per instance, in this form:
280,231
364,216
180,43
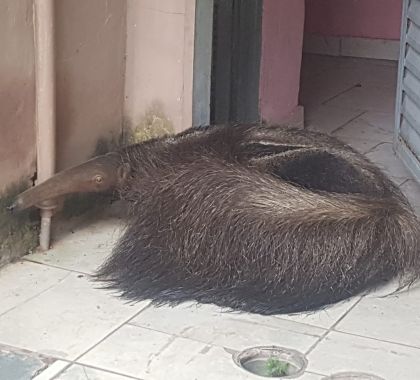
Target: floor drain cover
271,361
352,376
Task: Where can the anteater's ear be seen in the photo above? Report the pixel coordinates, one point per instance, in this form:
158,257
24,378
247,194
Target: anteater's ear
318,169
122,172
96,175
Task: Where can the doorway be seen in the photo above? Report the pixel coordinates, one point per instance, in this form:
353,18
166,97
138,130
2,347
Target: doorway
227,61
236,54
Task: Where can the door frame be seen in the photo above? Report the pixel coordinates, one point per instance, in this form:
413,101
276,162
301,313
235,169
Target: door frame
203,42
226,74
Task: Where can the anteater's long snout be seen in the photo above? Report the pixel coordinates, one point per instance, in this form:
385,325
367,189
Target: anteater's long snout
99,174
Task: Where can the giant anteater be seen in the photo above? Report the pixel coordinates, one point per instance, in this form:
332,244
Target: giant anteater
250,217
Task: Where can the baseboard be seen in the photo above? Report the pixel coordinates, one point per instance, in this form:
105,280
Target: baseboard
352,47
296,118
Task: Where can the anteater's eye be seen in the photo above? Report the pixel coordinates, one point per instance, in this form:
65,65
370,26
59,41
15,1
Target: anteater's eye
98,179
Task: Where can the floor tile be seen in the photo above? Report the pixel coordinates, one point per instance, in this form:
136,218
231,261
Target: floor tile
326,119
321,89
340,352
367,73
385,158
83,249
232,330
411,189
315,64
385,289
382,120
323,318
53,370
78,372
129,350
65,320
22,280
188,360
395,318
363,136
154,355
324,79
360,145
368,98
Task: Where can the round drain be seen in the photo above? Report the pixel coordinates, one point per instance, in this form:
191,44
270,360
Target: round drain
271,361
353,376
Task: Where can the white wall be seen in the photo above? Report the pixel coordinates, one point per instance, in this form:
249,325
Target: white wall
159,62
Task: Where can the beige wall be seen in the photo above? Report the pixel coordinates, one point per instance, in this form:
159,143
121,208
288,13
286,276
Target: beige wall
116,60
160,42
17,88
90,38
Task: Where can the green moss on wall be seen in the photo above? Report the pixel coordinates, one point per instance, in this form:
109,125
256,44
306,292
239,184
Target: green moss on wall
18,231
152,124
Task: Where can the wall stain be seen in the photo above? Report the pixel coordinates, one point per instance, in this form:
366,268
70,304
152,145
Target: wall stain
18,231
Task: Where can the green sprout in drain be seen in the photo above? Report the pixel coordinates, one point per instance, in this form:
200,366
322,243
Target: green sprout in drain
276,367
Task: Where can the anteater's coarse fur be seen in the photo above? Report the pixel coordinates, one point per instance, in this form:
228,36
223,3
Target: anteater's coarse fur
260,219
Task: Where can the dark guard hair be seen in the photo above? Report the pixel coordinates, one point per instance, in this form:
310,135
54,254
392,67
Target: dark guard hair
260,219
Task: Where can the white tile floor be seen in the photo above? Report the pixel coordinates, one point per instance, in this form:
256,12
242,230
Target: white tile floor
50,307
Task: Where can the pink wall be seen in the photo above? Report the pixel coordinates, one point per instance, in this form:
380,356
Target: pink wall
354,18
282,39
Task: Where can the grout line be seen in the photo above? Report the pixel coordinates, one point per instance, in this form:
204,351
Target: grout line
271,326
347,122
376,339
280,318
74,361
316,373
324,102
99,369
333,326
178,335
214,344
274,326
35,295
56,266
404,182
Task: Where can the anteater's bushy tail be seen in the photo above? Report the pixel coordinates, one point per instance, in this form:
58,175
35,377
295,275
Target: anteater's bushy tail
222,233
